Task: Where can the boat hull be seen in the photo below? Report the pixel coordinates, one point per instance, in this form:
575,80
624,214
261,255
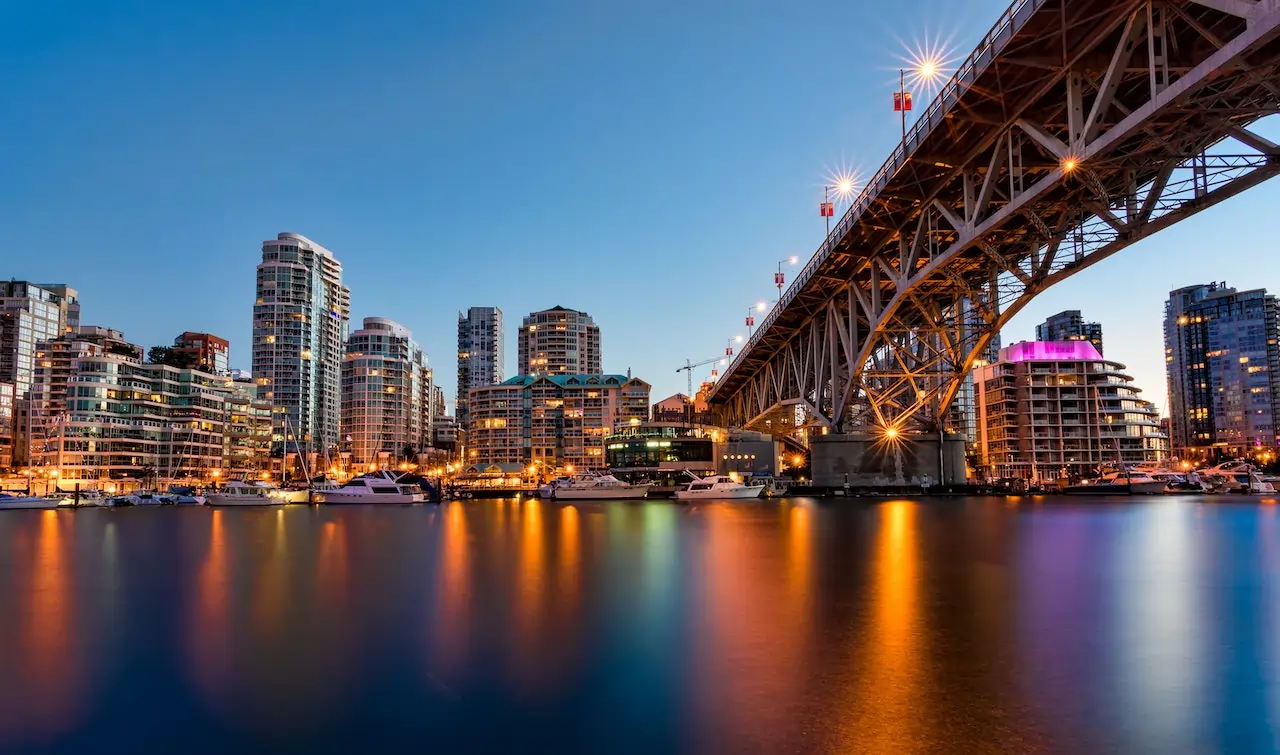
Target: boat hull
225,500
29,503
1096,490
600,494
334,497
292,496
740,494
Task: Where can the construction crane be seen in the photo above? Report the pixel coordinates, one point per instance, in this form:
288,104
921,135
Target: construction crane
689,367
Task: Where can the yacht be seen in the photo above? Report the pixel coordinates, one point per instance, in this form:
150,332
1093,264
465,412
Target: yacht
593,487
1139,483
380,487
236,493
8,501
718,488
1247,482
1119,483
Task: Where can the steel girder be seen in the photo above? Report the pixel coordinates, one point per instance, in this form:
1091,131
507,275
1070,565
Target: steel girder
1027,172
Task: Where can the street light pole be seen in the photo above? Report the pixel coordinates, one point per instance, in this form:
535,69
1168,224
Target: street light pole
902,102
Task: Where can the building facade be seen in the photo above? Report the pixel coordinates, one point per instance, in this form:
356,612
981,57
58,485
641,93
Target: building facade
1070,326
481,352
1222,358
1052,410
387,393
29,313
552,421
6,426
204,351
559,341
300,323
108,416
246,443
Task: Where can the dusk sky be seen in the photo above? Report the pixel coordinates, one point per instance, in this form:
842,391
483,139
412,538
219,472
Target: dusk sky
648,163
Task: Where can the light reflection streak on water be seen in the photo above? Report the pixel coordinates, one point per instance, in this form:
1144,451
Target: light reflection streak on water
210,625
749,631
531,591
451,619
1159,663
569,562
799,557
885,715
270,592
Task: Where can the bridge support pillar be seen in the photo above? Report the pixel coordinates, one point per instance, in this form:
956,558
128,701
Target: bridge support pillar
864,460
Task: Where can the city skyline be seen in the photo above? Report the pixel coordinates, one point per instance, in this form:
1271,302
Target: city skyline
698,147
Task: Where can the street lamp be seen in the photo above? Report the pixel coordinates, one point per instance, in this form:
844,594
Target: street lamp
779,277
844,185
751,321
924,70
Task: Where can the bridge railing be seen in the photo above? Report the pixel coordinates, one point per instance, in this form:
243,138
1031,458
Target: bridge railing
966,74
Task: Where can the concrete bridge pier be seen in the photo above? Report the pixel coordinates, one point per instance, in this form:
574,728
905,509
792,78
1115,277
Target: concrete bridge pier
866,460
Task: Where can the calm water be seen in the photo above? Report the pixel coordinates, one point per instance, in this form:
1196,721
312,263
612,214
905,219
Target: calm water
803,626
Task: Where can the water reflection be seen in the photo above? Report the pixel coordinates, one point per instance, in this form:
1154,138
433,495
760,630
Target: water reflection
897,626
210,626
450,621
884,711
43,695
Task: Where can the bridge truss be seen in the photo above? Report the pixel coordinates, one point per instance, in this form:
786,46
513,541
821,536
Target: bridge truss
1076,128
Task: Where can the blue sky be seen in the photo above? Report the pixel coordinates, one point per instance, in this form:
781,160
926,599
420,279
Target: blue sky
648,163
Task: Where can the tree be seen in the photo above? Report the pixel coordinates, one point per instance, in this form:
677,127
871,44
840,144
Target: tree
409,452
172,357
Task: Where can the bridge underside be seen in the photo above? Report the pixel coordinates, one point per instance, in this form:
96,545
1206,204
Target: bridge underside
1078,127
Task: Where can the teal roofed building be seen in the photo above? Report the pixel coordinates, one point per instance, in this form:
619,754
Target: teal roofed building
552,422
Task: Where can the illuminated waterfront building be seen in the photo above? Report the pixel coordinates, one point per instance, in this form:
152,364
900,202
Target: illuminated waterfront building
552,421
480,354
1048,410
29,313
387,395
300,322
559,341
1222,358
112,417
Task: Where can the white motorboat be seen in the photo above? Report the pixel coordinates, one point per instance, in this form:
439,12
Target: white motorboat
548,490
1235,477
8,501
381,487
1248,482
718,488
593,487
236,493
1138,483
152,498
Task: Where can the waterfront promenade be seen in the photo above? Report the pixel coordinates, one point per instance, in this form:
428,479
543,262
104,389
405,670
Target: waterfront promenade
893,626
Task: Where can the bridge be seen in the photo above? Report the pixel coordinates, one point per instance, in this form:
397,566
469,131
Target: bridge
1074,129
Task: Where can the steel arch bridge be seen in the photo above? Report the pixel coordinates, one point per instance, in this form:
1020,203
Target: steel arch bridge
1074,129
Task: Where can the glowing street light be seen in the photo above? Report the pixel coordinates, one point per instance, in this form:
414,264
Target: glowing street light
925,68
844,185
